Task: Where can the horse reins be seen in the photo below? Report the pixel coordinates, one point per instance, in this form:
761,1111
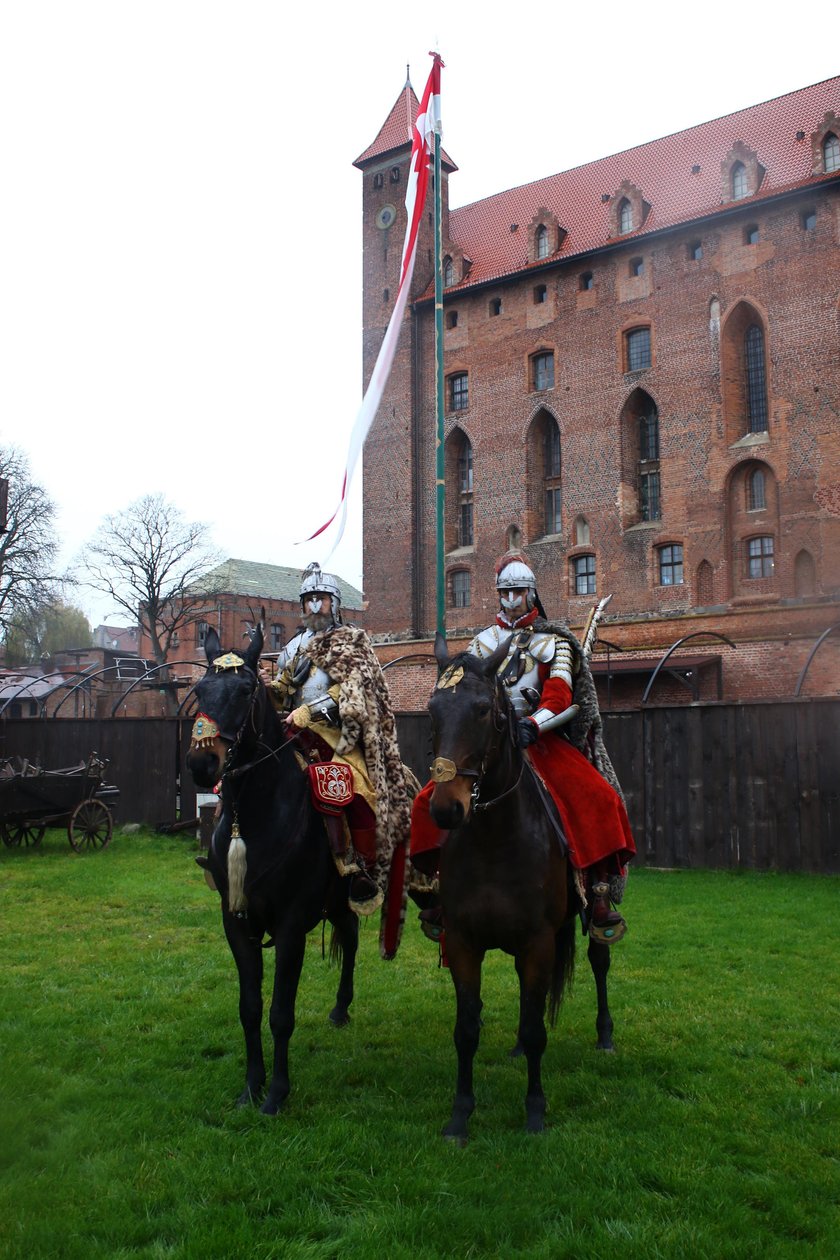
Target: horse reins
443,770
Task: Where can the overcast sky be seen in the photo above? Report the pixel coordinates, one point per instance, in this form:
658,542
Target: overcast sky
180,227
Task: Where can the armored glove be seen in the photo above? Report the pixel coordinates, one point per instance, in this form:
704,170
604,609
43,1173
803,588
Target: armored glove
528,732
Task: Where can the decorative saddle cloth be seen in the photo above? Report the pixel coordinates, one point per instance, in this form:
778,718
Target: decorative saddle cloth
331,786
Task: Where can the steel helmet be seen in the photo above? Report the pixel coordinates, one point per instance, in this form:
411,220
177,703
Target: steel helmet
513,574
314,581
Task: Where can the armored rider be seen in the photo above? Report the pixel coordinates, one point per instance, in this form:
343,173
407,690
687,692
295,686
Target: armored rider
545,671
330,686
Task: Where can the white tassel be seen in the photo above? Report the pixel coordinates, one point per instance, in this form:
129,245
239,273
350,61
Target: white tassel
591,631
236,866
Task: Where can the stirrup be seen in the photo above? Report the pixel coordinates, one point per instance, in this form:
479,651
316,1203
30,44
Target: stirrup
431,923
608,933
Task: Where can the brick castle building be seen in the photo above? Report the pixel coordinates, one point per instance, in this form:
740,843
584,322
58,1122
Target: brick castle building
642,384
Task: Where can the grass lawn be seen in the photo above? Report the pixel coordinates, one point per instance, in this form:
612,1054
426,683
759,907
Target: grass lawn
713,1132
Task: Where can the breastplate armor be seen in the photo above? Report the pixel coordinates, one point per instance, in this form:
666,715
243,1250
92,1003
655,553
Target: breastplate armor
518,675
315,683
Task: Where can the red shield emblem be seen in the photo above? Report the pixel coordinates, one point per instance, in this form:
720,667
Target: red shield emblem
332,785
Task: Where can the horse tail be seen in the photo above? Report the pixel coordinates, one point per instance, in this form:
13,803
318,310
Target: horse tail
236,867
564,967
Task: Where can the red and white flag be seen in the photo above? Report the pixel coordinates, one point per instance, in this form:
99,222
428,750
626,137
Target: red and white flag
426,126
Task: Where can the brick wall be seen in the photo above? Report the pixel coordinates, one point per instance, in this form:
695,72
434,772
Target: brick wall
697,311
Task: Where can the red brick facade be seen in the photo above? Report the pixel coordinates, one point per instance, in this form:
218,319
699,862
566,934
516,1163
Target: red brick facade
651,404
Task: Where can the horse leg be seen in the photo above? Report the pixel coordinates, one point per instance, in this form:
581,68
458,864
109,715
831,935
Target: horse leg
534,970
288,964
465,965
599,961
346,942
247,955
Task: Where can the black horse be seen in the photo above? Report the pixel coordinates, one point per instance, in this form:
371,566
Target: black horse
505,879
270,857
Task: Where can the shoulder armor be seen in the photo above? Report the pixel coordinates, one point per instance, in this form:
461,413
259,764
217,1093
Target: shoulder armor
542,647
487,640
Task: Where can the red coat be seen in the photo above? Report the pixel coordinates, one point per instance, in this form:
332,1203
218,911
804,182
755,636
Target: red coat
593,814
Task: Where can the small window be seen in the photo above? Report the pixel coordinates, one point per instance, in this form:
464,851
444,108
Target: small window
395,174
378,180
465,469
695,251
448,272
278,636
451,319
738,179
637,266
809,221
831,153
541,242
756,491
625,216
551,450
756,381
751,234
460,589
650,502
175,641
586,281
540,294
553,513
386,294
542,371
495,306
201,631
583,575
637,349
760,558
465,524
649,435
671,565
459,392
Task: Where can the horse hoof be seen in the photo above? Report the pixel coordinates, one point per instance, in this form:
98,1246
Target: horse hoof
606,1049
339,1018
517,1051
271,1106
248,1098
456,1139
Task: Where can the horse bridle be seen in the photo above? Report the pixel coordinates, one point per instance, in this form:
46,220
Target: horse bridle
443,770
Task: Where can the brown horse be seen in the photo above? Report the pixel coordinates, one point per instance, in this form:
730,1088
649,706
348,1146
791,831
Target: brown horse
505,878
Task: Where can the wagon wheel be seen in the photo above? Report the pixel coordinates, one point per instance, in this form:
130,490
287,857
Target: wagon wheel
15,833
90,826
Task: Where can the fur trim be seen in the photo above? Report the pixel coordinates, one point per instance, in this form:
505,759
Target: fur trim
345,654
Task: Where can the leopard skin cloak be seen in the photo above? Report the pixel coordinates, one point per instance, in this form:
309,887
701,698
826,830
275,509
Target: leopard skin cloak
345,654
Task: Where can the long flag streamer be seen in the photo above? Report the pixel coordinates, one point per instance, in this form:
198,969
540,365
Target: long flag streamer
426,125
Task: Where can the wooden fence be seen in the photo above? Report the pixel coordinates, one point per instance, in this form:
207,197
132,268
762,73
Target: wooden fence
739,786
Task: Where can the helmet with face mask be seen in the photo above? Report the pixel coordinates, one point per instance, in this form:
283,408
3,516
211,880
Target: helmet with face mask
513,574
321,589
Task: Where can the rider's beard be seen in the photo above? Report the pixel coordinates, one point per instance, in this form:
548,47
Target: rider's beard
318,621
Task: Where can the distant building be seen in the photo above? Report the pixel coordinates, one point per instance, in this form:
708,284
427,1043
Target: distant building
642,393
241,591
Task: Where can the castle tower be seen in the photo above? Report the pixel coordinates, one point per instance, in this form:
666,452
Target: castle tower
395,554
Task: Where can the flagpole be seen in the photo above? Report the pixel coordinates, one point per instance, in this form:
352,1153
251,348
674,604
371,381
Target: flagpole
440,488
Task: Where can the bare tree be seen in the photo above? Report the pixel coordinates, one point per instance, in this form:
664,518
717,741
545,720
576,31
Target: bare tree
28,544
148,559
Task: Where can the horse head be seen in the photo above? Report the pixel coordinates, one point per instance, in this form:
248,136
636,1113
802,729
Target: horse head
225,696
471,725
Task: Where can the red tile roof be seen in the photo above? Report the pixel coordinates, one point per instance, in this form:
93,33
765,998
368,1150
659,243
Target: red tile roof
663,170
395,132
